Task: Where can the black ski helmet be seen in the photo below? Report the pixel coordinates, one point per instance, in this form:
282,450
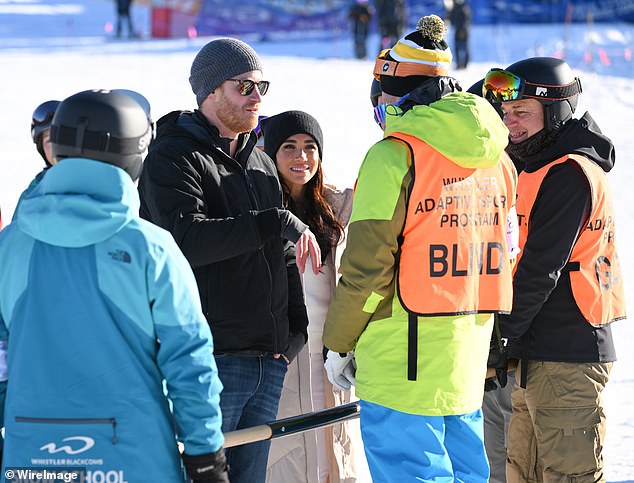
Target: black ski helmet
40,122
550,81
109,126
375,92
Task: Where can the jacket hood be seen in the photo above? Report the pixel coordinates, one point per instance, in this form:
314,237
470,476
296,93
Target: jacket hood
463,127
79,202
579,136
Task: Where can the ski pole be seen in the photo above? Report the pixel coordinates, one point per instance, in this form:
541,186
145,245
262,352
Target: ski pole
292,425
304,422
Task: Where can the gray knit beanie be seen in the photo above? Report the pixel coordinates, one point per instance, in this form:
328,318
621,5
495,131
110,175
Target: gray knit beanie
219,60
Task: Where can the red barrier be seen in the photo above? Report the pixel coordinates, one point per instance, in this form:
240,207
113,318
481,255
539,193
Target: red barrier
172,23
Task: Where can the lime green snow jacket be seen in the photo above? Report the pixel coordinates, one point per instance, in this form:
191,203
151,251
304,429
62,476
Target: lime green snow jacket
365,314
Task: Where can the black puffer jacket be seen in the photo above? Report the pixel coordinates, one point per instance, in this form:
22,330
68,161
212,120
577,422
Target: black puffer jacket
546,323
225,214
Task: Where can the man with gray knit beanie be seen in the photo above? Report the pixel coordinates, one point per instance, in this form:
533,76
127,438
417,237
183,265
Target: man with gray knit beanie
222,201
218,61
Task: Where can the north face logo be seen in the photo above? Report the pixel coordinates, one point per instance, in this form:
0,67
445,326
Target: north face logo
541,91
120,256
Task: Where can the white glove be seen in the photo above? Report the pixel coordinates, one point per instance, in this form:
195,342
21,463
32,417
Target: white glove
340,370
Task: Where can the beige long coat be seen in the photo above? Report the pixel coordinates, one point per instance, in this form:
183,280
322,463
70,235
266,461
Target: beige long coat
294,459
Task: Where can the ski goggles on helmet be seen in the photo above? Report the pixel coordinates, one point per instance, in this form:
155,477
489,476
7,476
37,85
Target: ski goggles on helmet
246,86
501,85
42,117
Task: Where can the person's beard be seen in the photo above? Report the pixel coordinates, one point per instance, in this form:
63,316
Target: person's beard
533,145
234,117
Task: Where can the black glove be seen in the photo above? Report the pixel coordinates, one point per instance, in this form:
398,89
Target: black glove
498,359
207,468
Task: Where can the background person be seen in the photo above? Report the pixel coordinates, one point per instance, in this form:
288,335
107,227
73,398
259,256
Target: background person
103,314
460,18
420,375
294,140
123,16
496,404
392,21
221,199
567,285
360,13
41,135
41,129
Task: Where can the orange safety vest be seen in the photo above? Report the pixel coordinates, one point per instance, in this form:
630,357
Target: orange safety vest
453,257
595,271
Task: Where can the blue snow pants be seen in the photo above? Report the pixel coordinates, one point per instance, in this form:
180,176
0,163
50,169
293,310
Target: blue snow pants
404,448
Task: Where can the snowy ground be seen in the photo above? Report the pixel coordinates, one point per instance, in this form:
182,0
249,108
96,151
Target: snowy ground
50,50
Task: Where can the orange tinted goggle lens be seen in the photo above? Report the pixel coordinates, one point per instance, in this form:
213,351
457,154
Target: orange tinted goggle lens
502,85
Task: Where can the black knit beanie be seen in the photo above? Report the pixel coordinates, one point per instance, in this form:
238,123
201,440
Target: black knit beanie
219,60
277,129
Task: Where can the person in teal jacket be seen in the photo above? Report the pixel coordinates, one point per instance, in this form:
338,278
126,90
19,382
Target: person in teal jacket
106,360
41,135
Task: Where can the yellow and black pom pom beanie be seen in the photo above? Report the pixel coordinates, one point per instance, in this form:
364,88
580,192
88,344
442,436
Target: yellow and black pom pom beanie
425,46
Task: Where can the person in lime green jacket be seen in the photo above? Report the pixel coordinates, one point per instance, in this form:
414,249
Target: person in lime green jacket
425,269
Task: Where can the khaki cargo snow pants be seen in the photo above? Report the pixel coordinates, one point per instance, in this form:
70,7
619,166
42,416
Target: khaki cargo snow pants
557,430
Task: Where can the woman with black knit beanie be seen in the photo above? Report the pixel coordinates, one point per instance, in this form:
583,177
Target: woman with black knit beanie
294,140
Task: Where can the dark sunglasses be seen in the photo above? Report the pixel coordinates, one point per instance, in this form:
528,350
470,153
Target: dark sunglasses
246,86
501,85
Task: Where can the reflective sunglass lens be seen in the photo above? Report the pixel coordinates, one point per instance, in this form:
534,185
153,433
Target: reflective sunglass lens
246,87
263,87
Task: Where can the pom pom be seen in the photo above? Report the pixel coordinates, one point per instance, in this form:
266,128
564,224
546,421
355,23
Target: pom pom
432,26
